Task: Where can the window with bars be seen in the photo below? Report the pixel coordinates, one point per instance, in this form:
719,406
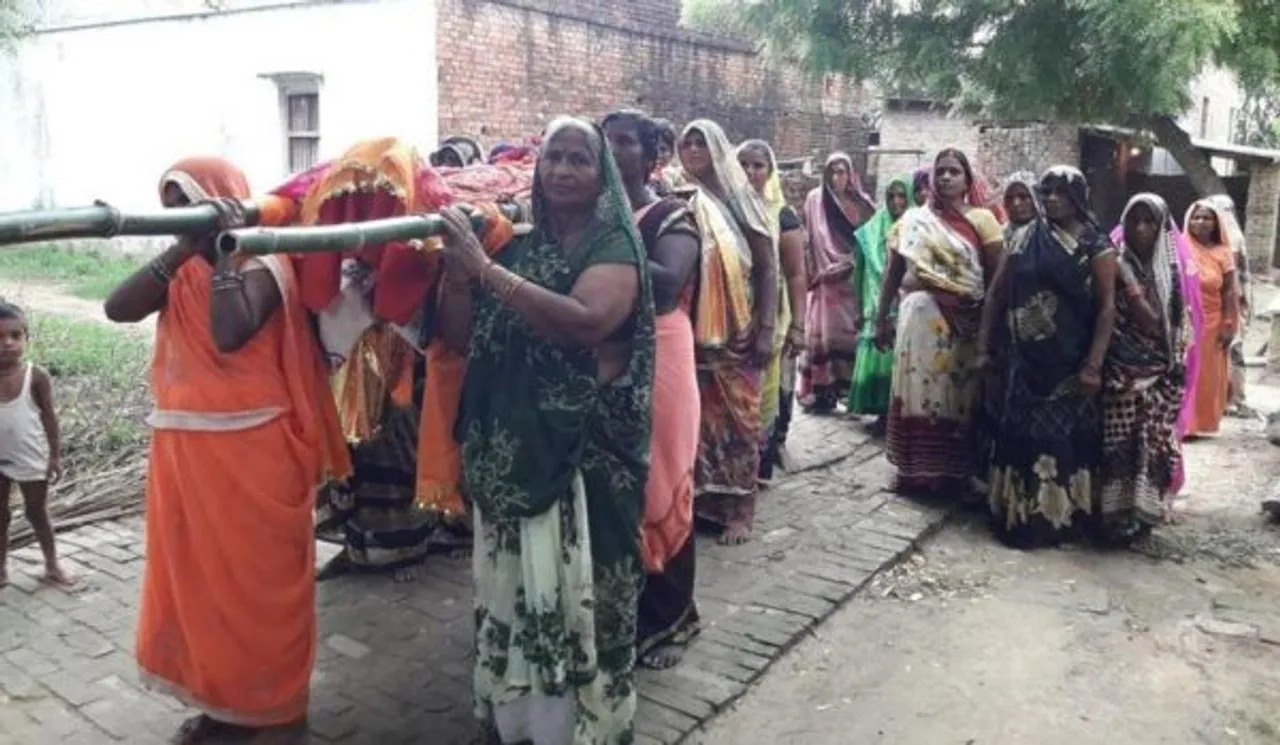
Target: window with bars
302,129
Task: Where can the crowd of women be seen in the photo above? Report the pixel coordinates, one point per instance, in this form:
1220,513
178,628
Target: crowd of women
620,368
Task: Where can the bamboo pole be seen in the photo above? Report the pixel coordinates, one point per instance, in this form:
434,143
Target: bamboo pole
345,237
104,221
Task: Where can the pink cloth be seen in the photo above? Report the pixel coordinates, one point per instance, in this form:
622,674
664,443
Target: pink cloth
1190,284
831,329
668,514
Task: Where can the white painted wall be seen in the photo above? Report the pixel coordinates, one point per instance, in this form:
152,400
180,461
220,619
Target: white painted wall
1216,100
914,129
99,111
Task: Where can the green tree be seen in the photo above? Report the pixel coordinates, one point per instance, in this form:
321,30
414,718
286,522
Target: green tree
1125,62
16,19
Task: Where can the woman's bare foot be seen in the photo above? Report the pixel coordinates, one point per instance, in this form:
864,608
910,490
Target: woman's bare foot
57,576
663,657
735,534
204,729
295,733
407,572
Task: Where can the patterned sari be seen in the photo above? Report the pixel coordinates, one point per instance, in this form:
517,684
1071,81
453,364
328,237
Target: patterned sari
1189,287
1047,447
556,463
873,369
729,381
1143,389
934,389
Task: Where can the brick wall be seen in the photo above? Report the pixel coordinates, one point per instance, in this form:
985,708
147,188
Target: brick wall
1006,149
506,67
1262,212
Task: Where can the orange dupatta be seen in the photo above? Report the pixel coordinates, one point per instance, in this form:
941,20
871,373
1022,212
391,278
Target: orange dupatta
439,455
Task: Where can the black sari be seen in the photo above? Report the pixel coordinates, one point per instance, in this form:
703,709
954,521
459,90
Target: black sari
1047,448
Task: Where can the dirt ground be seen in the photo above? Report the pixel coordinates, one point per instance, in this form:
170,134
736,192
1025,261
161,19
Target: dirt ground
968,643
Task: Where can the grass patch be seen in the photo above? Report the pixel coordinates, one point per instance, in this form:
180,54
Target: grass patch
100,387
68,347
87,273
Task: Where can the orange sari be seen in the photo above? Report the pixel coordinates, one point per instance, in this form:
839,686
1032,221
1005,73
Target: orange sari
1216,268
241,441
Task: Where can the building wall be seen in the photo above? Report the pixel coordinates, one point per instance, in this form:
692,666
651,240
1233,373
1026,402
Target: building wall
926,129
1034,146
507,67
108,95
1216,100
1262,218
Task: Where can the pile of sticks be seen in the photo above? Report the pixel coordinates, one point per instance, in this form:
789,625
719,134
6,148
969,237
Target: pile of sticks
95,497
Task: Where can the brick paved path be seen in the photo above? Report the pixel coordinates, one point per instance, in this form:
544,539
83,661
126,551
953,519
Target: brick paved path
394,659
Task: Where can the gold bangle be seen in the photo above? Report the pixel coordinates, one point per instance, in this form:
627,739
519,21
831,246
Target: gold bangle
511,291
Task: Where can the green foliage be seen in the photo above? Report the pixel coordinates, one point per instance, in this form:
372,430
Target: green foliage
86,273
1071,60
16,19
70,347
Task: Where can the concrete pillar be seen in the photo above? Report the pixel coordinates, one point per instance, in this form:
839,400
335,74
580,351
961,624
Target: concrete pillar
1261,216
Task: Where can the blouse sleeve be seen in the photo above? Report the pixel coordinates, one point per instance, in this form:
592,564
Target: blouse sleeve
1228,261
788,220
894,237
988,227
614,247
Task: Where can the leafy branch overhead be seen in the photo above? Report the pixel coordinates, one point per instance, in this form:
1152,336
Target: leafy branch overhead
1119,61
16,19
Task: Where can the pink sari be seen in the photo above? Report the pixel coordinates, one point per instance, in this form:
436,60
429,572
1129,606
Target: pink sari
831,328
673,452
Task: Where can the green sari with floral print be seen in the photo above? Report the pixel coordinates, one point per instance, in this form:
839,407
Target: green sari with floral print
556,463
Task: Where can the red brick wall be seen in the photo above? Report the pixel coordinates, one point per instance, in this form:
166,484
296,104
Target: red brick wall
506,67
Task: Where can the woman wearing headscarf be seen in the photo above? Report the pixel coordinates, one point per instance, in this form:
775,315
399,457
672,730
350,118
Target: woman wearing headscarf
1143,379
920,186
944,252
1207,235
1189,289
1236,399
833,212
735,320
668,616
660,181
554,424
1020,205
1055,289
244,431
457,152
761,166
1021,208
872,368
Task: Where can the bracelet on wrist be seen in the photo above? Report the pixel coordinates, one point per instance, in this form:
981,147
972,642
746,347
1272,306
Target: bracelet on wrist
160,271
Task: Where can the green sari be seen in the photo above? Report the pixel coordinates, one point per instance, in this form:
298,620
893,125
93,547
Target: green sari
873,369
556,464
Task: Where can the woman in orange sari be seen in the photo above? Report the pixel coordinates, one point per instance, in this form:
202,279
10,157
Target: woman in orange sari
244,432
1220,302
